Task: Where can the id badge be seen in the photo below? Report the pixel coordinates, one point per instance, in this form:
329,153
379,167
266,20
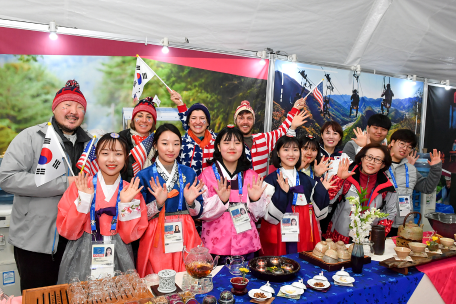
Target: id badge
240,217
174,236
289,226
102,258
404,205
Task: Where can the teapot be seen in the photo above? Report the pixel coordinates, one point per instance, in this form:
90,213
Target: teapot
410,230
234,263
199,262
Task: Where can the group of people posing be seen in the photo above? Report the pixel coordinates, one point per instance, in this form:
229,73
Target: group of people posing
217,182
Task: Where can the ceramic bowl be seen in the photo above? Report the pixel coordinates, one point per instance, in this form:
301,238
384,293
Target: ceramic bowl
417,247
447,242
402,252
252,293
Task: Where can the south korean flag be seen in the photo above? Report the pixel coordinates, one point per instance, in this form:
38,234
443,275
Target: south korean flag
50,164
143,73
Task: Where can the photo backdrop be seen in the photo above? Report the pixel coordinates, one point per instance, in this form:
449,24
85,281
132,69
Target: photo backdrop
31,73
293,80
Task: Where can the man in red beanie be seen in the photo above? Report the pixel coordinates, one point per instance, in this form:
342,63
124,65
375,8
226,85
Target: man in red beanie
38,249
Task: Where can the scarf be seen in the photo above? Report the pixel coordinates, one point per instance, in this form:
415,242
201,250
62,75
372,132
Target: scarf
202,143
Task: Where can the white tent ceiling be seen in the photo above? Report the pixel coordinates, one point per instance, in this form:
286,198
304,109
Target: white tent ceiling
398,37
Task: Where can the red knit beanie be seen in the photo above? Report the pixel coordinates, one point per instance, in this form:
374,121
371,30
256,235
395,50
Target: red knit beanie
70,92
146,105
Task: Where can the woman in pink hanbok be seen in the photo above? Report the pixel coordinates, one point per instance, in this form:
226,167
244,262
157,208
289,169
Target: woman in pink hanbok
233,200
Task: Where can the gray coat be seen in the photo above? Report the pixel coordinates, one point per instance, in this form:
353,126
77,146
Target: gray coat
34,211
416,182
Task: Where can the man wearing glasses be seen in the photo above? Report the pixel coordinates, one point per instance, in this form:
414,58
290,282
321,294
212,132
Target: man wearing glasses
405,177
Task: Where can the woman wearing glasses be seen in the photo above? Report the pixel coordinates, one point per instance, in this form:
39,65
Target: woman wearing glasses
367,172
144,118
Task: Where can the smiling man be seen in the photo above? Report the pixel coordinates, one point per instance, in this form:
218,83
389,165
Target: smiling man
405,177
378,126
38,249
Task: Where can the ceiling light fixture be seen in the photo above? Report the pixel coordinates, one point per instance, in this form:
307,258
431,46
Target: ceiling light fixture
165,43
294,59
412,78
53,31
446,83
262,55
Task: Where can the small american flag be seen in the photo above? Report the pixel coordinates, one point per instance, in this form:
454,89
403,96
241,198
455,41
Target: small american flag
317,93
91,165
141,151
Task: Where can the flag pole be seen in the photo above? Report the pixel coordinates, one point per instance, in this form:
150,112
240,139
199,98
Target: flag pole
88,152
61,150
314,88
154,72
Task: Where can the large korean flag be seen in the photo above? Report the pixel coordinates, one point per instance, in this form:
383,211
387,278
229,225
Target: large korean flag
50,164
143,73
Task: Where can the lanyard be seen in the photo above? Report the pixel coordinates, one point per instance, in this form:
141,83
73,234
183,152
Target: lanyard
311,172
92,207
370,198
406,177
181,183
295,195
240,185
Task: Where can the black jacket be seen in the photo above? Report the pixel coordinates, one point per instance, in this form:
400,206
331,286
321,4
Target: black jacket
128,174
73,152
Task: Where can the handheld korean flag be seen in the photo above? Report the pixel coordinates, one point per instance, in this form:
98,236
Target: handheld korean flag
50,164
156,101
143,73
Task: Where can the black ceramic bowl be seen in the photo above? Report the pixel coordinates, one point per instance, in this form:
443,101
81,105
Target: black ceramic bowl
274,277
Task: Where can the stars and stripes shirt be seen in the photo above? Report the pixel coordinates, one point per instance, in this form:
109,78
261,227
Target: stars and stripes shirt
263,144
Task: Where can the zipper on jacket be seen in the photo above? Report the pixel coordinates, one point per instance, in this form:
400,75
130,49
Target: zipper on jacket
53,244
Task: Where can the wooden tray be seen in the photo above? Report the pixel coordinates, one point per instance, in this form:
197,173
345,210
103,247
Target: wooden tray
402,266
58,294
309,257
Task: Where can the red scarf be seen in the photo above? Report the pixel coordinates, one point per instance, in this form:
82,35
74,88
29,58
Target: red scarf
138,139
202,143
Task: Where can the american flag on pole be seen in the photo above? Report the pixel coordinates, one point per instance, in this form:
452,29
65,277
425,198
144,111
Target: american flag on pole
91,165
318,94
140,153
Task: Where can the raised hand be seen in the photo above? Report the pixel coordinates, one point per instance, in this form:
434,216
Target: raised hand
300,103
129,192
343,172
176,97
435,157
299,119
160,193
412,157
327,183
84,183
283,183
361,138
191,192
322,167
222,190
255,190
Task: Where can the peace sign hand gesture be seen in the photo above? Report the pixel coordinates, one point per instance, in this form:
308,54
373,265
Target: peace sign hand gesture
255,190
222,190
361,137
129,192
343,172
193,191
283,183
435,158
82,183
322,167
160,193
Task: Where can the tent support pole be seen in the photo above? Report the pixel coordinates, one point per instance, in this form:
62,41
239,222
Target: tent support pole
423,114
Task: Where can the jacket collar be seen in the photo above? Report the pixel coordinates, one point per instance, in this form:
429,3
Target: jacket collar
337,152
383,184
81,135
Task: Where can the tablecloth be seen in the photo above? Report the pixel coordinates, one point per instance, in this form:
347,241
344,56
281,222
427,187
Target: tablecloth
376,284
442,274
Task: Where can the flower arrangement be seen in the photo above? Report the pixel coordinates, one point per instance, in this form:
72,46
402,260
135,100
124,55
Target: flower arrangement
243,271
433,245
362,217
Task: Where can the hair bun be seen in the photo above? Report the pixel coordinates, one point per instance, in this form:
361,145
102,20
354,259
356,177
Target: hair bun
72,83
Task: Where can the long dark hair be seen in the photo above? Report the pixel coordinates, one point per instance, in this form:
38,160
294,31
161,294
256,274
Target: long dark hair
109,142
386,160
310,142
159,132
227,134
285,141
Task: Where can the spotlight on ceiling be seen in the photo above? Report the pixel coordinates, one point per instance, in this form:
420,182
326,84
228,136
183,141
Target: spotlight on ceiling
165,43
262,55
412,78
53,31
293,58
446,83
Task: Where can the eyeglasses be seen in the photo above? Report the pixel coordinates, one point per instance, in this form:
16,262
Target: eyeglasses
403,145
376,160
